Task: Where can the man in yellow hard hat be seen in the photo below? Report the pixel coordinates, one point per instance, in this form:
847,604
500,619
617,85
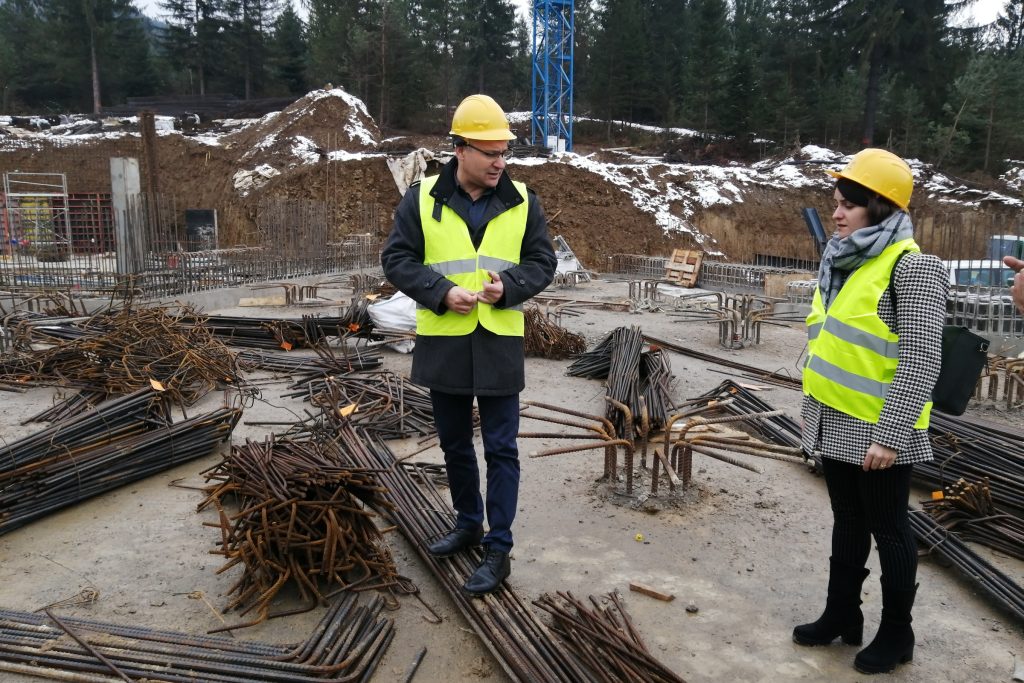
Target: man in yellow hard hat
470,246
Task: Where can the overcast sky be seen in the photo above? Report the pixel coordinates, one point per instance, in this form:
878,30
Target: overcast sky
984,10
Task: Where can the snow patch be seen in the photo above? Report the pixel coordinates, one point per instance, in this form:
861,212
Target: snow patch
246,181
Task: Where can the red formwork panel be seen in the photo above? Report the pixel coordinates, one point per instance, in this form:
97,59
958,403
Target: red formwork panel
90,221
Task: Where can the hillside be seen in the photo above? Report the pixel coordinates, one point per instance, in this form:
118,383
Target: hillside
603,200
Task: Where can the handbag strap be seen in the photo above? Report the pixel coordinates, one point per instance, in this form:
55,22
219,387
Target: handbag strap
892,278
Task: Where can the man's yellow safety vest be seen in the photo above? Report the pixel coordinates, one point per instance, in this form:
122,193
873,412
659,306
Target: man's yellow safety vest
851,353
448,250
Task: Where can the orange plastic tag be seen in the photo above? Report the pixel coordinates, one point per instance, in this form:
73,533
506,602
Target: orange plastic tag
286,346
347,410
372,297
156,385
938,495
353,327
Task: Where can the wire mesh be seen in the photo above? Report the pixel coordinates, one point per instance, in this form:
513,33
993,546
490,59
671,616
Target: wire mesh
57,241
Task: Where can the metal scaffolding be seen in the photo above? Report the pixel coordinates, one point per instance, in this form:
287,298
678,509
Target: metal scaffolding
553,26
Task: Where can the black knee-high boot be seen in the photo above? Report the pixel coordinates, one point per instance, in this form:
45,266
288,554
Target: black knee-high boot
894,642
842,617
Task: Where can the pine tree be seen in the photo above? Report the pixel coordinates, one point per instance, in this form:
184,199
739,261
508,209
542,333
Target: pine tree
289,53
191,40
621,65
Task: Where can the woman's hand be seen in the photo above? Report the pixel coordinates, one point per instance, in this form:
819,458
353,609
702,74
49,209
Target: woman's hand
878,457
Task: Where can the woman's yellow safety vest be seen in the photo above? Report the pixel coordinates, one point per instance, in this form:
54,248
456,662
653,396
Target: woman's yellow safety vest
448,250
851,353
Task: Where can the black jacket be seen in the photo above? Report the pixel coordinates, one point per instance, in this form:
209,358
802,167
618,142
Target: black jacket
481,363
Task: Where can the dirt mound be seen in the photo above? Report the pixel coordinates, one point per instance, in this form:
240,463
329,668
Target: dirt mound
595,217
320,122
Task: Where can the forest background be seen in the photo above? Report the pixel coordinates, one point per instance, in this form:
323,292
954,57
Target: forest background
766,74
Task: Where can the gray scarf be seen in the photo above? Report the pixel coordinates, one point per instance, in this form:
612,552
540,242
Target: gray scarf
844,255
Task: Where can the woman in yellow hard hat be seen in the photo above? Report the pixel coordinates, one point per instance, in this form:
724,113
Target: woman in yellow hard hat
874,352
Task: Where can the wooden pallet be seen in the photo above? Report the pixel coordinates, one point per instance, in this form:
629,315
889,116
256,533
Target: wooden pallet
683,267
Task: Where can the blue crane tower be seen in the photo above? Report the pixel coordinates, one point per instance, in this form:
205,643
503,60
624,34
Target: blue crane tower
553,22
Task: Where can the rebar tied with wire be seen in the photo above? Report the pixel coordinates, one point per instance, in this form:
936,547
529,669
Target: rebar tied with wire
966,508
79,458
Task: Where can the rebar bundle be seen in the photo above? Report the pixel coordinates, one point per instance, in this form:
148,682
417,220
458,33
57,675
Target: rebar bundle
69,406
347,645
731,398
965,448
604,639
382,403
544,339
86,457
995,583
594,363
967,509
637,379
325,362
304,519
525,648
269,333
124,416
123,351
356,318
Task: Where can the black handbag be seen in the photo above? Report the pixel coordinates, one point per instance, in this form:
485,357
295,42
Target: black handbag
964,354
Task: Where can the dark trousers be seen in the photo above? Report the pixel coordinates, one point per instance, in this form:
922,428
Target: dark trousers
874,503
499,426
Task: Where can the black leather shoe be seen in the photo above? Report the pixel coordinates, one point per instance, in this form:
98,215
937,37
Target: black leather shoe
455,541
488,576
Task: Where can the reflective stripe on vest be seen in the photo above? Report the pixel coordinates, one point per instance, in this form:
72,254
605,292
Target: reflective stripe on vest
851,354
448,251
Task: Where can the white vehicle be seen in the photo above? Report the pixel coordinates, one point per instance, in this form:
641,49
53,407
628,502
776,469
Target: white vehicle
983,272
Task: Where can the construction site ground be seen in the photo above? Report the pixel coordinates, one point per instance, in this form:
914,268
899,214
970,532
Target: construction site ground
745,555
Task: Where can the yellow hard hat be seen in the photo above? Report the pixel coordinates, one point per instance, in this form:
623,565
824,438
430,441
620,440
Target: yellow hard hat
479,117
881,171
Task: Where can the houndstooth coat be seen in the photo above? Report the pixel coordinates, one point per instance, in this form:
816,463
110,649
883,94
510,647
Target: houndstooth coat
921,283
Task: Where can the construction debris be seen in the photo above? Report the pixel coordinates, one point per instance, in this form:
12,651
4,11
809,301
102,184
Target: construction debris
650,592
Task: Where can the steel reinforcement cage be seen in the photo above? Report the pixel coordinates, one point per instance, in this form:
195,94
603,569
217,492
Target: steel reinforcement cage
79,252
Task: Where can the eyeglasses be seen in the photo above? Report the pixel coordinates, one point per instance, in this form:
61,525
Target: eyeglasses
505,154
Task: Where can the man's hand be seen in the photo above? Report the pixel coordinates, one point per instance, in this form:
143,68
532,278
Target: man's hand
460,300
493,290
1017,289
878,457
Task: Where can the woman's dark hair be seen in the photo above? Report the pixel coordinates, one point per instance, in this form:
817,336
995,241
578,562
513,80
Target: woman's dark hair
879,208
